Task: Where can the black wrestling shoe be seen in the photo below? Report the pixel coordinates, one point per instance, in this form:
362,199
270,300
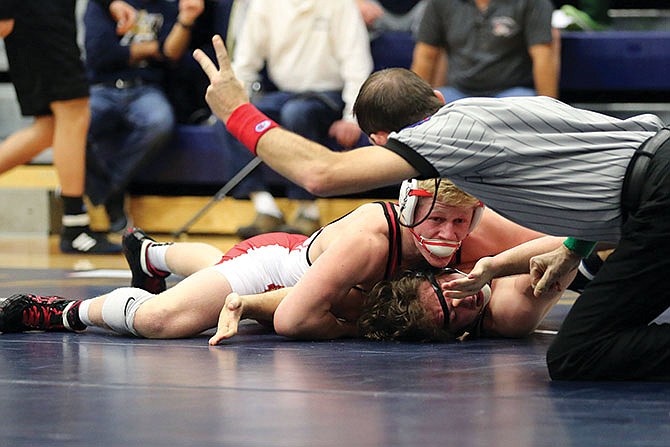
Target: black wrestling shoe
135,245
82,240
26,312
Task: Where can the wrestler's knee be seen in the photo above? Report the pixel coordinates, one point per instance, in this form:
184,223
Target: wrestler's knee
120,308
155,322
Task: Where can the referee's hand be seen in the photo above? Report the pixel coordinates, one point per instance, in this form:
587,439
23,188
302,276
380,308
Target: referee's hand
225,92
547,269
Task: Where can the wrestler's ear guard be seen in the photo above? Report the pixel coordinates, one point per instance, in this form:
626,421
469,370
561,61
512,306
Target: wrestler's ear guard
476,217
409,197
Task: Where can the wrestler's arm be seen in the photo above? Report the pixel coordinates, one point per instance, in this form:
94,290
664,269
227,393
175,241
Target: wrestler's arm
309,164
493,235
307,311
259,307
513,261
514,311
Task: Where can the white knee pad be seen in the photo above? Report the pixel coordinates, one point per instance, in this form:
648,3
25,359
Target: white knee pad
118,311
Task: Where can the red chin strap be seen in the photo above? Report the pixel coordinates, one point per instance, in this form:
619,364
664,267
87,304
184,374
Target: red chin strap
441,248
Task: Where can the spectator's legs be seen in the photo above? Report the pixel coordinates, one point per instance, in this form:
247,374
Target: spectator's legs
69,144
151,121
148,124
24,144
71,121
107,114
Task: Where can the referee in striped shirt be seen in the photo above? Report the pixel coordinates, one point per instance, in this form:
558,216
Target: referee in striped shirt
535,160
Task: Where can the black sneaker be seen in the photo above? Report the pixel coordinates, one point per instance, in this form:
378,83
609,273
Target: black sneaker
84,241
121,225
26,312
119,221
135,244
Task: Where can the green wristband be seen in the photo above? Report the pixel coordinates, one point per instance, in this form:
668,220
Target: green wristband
582,248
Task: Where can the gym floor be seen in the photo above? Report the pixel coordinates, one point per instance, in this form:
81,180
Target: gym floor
259,389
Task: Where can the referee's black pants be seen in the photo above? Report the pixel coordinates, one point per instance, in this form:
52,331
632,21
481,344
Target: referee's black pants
608,333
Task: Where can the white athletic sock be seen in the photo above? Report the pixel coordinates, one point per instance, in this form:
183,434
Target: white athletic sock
309,209
264,203
83,312
156,254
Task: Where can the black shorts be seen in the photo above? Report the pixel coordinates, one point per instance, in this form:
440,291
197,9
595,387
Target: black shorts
44,60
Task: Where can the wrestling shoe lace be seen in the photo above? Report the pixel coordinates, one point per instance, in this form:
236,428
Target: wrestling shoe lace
27,312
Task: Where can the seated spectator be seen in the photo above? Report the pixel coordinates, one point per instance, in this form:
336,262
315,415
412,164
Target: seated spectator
131,117
317,54
493,48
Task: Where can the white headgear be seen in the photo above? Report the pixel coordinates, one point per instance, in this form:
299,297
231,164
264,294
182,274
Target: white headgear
409,198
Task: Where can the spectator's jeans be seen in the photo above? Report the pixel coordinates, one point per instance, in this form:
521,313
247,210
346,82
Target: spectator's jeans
307,114
128,126
452,94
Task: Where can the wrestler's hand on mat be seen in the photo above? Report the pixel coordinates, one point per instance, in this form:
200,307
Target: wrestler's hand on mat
464,286
225,92
124,15
547,269
229,319
6,27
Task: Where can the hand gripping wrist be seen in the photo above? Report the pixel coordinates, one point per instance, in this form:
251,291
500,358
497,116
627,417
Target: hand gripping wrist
579,247
248,125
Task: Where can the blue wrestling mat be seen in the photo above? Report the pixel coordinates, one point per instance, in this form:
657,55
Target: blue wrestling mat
259,389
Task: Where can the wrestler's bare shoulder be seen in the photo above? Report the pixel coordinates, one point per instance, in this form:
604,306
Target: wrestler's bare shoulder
367,222
369,217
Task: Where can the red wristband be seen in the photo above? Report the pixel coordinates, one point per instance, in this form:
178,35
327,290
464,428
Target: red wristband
248,124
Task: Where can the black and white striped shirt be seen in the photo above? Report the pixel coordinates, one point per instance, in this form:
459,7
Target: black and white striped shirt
535,160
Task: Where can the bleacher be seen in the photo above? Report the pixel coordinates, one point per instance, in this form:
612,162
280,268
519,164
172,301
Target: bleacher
621,72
